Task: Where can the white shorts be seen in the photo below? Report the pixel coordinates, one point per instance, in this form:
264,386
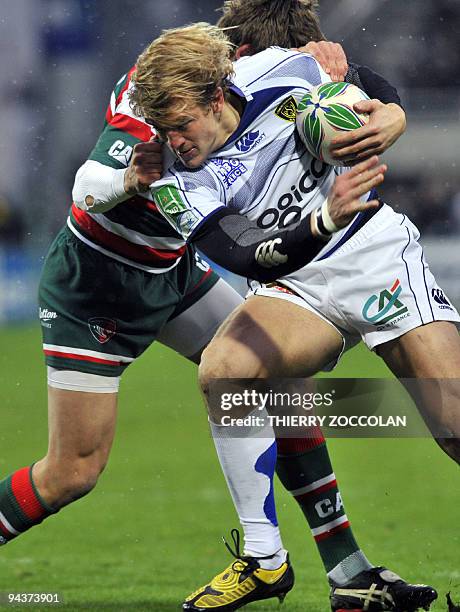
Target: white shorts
375,287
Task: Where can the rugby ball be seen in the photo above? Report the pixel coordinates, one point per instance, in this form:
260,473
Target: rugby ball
324,112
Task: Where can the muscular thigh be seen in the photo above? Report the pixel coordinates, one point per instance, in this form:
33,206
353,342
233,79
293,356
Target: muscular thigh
81,424
81,431
429,351
431,354
272,337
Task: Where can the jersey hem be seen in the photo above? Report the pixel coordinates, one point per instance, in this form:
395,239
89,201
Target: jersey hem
119,258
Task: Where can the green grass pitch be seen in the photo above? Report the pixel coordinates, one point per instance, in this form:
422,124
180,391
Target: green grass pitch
150,532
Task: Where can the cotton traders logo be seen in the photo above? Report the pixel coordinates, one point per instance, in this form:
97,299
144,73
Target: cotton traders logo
249,140
46,316
389,306
102,329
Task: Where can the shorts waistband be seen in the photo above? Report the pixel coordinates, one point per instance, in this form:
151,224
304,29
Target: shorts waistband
381,218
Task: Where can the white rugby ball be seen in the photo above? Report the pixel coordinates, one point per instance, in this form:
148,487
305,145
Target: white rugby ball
324,112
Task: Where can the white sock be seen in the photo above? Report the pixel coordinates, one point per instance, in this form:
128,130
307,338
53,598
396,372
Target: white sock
249,464
348,568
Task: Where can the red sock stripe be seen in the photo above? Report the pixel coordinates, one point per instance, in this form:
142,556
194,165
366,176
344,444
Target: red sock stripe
331,532
290,446
23,491
326,487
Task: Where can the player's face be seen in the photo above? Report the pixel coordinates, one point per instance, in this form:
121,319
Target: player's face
195,135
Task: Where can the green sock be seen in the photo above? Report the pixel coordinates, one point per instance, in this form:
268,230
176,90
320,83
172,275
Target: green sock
305,470
21,506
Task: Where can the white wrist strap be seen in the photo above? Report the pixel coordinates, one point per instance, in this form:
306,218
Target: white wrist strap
98,188
327,221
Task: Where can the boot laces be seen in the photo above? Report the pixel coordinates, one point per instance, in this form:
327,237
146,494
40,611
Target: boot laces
243,564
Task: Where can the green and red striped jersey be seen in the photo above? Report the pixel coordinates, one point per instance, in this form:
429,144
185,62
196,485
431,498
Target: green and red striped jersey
133,231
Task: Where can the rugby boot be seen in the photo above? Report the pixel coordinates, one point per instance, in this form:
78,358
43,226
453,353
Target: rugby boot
242,582
380,589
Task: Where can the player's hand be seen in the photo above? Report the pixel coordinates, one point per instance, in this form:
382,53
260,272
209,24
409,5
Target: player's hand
146,166
330,56
343,198
386,124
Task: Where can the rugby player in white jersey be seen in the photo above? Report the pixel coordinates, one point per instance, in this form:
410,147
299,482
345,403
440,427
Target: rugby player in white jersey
241,171
116,279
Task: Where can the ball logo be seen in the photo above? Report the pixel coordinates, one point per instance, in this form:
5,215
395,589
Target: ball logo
324,112
102,329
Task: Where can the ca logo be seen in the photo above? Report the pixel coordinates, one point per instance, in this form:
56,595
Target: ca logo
388,301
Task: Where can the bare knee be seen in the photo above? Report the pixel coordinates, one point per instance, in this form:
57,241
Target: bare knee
225,359
64,481
80,479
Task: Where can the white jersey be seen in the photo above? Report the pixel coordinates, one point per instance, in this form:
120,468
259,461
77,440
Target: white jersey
263,171
371,279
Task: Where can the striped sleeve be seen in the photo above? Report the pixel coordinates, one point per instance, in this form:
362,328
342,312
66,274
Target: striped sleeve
122,130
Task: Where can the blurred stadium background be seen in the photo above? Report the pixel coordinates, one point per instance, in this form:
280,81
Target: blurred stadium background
148,541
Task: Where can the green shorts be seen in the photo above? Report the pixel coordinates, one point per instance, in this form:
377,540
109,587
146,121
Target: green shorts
98,315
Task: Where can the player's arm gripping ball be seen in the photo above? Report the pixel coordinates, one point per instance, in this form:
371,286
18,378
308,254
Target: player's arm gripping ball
387,122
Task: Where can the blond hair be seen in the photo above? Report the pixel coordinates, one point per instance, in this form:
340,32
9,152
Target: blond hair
180,69
262,23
